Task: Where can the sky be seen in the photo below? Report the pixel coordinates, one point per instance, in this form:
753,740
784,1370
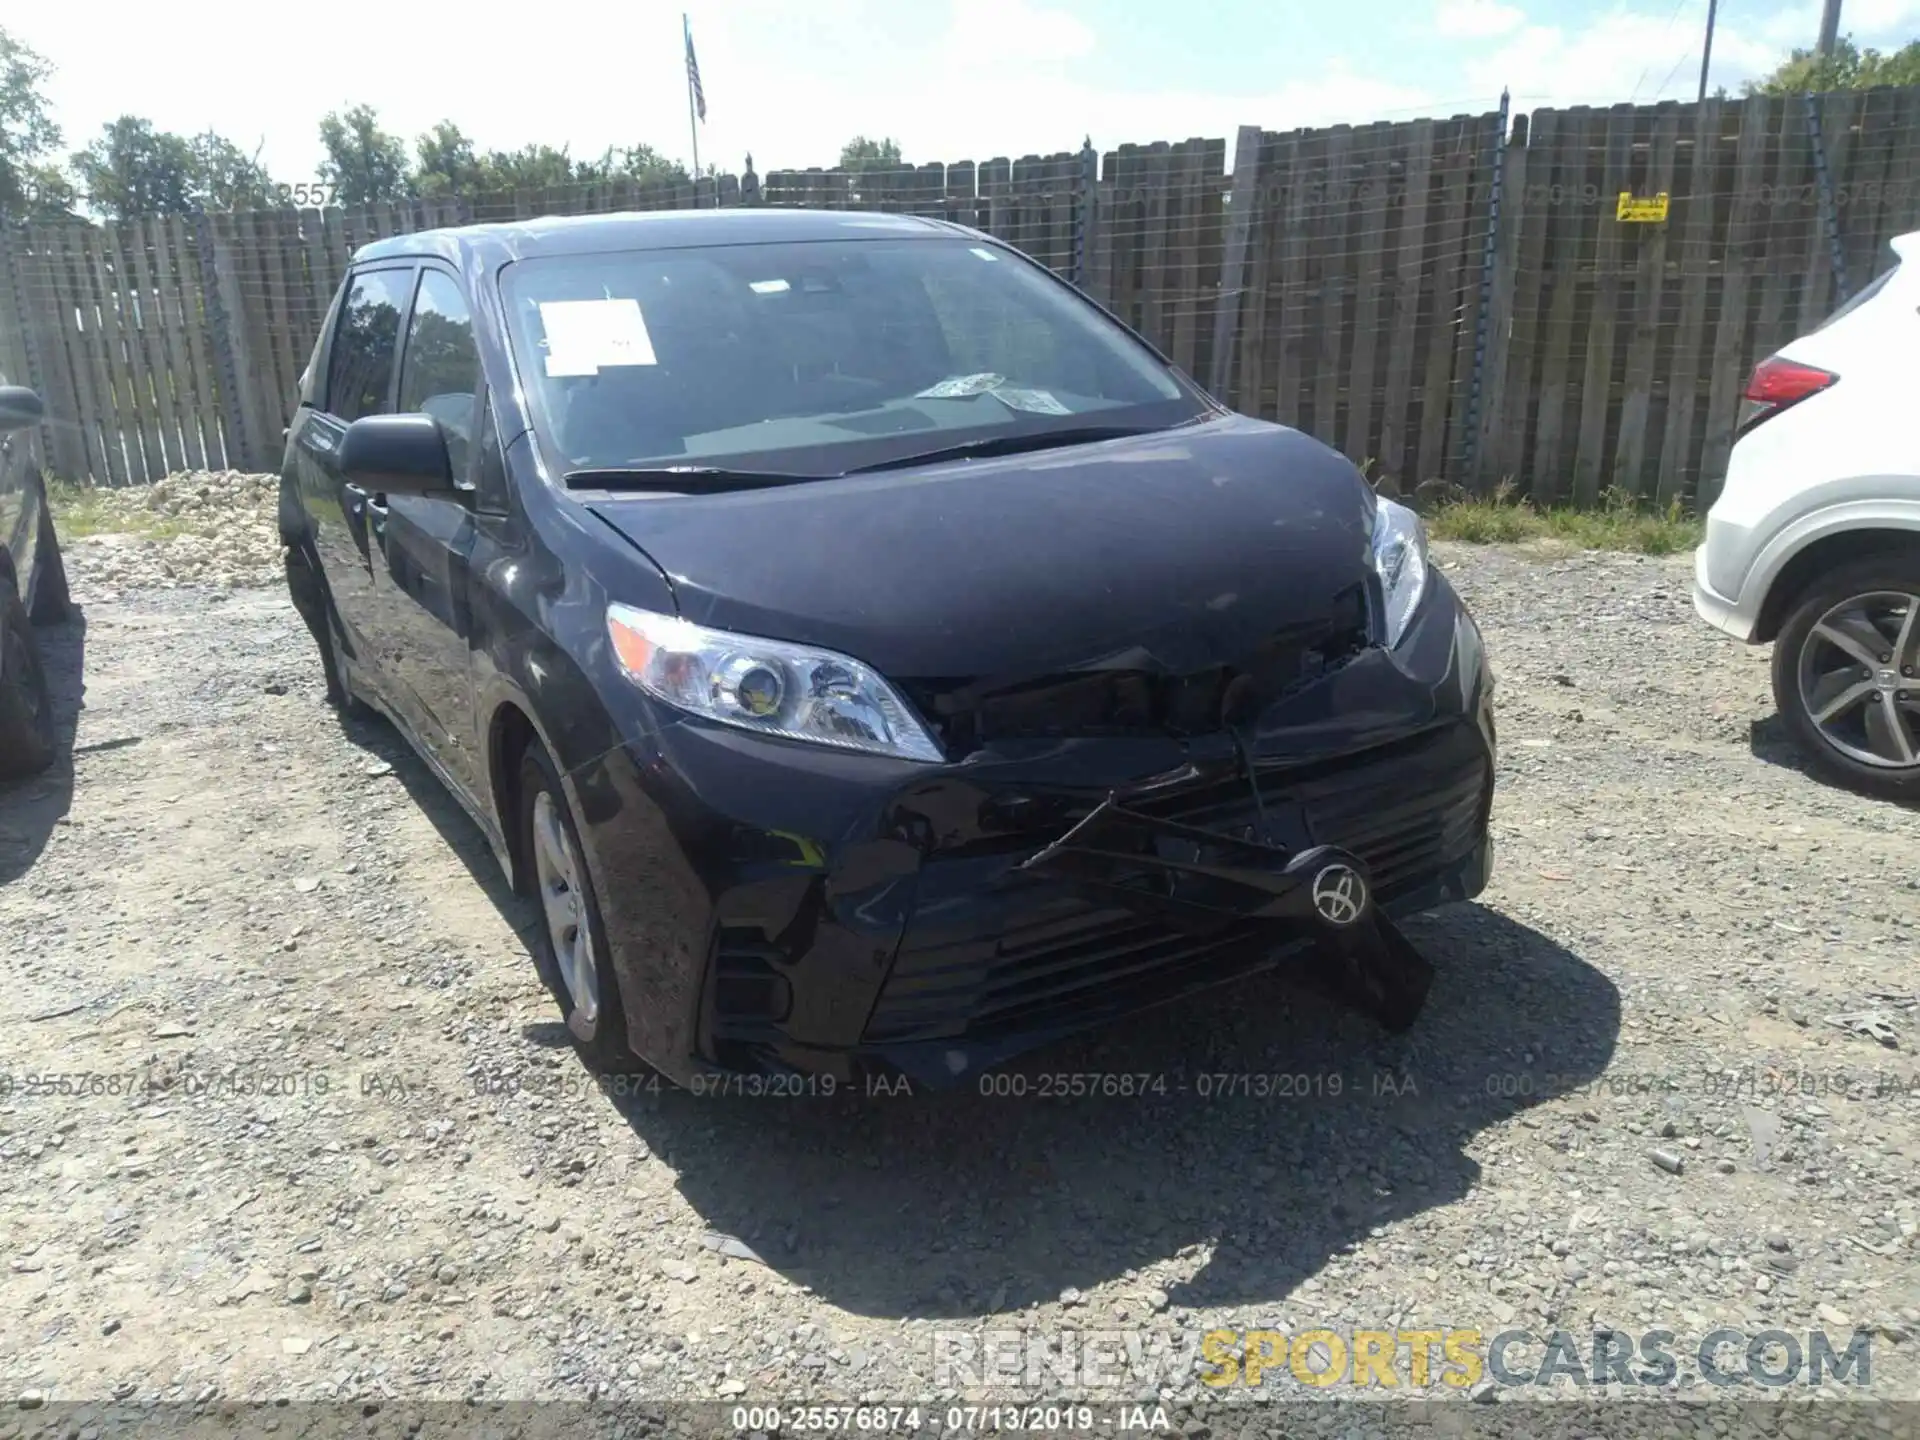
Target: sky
790,80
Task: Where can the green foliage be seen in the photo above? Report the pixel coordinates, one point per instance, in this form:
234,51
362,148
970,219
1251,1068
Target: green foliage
860,154
31,185
134,170
449,164
647,165
445,162
225,177
1621,523
364,163
531,167
1848,68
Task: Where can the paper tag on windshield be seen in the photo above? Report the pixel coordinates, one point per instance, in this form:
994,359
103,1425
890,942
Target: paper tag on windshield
585,336
1037,402
959,387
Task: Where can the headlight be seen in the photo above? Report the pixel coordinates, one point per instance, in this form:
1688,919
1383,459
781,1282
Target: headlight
1400,558
793,691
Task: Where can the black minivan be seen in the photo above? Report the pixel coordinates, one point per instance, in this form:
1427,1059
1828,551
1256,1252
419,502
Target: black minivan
870,654
33,591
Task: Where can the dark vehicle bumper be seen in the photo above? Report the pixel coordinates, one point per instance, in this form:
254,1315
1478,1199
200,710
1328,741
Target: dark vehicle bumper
776,909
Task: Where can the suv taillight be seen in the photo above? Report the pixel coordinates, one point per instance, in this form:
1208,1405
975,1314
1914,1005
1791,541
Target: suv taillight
1777,384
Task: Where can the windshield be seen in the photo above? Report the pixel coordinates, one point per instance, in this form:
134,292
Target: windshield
818,357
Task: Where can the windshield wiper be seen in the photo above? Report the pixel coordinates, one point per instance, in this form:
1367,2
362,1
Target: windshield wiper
680,479
1011,445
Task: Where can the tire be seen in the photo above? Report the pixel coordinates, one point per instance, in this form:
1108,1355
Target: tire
1853,705
566,956
50,602
27,742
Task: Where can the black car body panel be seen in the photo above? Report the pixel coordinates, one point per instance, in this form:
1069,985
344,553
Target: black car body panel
28,552
1148,617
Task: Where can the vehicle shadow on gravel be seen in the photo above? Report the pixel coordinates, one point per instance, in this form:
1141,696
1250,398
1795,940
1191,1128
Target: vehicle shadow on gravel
1773,744
377,737
1270,1129
29,809
964,1204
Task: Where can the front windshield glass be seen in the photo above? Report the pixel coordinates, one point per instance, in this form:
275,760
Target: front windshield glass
817,357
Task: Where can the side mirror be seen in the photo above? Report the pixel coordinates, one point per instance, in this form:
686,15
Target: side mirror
20,409
398,455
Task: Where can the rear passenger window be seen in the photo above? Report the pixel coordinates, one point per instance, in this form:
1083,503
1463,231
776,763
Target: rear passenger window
360,377
440,373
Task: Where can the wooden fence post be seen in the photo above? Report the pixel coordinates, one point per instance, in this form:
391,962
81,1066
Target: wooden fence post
18,364
1483,318
1085,214
223,321
1227,327
1510,178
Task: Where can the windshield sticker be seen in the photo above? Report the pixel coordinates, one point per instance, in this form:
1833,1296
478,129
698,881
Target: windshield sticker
584,336
982,252
768,287
961,386
1035,402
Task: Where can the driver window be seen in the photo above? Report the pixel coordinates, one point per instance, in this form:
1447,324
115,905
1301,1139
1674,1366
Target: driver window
440,372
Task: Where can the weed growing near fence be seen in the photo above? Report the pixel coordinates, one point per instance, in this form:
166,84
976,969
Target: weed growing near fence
1619,524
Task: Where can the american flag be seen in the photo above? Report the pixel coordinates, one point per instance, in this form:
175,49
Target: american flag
693,73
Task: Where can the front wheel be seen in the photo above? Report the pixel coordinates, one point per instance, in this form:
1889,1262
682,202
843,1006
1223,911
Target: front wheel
1846,675
571,944
26,711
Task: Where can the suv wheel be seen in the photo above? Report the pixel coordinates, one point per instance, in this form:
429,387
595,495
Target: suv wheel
571,942
26,711
1846,675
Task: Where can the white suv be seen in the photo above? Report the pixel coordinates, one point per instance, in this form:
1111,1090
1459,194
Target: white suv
1814,542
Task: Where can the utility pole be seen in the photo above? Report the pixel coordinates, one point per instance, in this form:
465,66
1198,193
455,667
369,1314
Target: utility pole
1706,51
1829,27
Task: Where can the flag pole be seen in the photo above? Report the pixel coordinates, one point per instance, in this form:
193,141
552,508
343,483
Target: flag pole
693,121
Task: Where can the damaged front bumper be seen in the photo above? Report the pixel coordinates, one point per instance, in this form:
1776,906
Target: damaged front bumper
782,909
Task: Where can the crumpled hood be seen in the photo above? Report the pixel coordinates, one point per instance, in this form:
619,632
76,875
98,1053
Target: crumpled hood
1171,552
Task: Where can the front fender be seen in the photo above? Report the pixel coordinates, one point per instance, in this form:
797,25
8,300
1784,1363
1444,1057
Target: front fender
1890,513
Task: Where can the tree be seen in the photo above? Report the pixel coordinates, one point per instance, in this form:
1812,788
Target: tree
1847,68
364,163
225,177
860,154
531,167
134,170
31,185
446,163
645,164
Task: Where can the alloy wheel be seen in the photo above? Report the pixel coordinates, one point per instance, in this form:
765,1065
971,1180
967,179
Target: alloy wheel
1859,678
557,870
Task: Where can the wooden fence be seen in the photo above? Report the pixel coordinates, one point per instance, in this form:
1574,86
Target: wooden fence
1447,299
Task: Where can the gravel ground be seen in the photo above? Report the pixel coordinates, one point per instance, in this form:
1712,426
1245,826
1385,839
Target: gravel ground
330,1140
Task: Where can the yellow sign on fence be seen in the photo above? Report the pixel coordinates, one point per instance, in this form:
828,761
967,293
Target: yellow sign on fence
1651,210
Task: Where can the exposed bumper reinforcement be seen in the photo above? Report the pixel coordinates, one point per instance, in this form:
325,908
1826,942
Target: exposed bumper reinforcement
1204,882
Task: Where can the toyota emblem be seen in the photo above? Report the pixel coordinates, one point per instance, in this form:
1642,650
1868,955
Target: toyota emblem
1339,894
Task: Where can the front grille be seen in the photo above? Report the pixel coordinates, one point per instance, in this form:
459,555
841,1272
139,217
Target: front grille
1407,809
1120,702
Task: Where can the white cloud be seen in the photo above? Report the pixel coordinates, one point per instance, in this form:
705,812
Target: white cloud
1477,19
1623,55
1011,30
964,79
